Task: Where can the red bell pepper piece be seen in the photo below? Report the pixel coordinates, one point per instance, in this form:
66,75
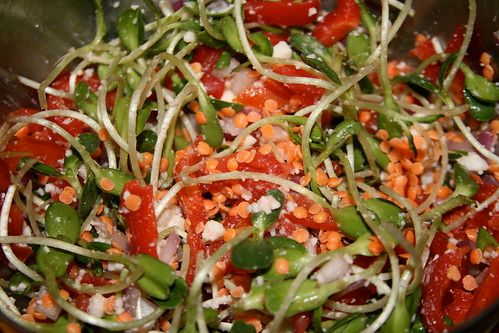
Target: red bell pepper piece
283,12
208,57
142,222
338,23
487,292
15,228
435,287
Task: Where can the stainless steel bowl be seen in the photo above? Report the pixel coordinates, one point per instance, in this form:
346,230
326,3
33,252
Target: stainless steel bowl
35,33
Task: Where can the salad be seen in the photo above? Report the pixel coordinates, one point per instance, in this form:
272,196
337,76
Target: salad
257,166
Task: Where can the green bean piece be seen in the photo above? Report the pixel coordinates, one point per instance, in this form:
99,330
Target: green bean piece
90,141
153,8
212,131
321,66
485,239
449,60
178,291
240,326
350,221
317,320
89,196
381,158
146,141
399,320
385,211
118,177
86,100
144,114
341,133
412,301
224,60
53,261
121,114
308,45
479,86
418,327
70,169
219,104
481,111
254,299
311,295
465,185
229,30
252,254
368,18
210,316
389,125
131,28
418,81
20,284
262,45
358,48
62,220
205,39
446,206
296,259
262,220
279,242
157,278
40,168
132,78
179,141
359,159
350,324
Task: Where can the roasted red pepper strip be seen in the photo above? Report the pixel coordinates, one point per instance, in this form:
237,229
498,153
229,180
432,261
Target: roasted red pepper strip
487,292
141,223
284,12
15,228
338,23
435,287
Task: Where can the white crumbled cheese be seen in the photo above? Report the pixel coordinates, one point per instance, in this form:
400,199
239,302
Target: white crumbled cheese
26,230
265,204
189,37
118,305
282,50
171,217
312,11
214,303
291,206
96,305
213,230
82,172
473,162
19,288
115,266
126,194
228,95
248,141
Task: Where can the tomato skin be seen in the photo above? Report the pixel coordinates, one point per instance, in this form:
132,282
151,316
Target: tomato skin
435,286
338,23
283,12
308,92
46,152
208,57
142,222
487,292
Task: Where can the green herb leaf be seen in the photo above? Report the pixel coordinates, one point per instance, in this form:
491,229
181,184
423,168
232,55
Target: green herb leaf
40,168
86,100
465,185
252,254
485,239
146,141
240,326
90,141
89,196
481,111
131,28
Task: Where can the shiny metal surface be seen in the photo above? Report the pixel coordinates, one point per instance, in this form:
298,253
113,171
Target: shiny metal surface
35,33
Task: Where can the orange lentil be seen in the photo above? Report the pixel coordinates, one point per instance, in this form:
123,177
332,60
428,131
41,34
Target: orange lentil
384,146
204,148
320,217
197,67
485,59
228,112
208,204
31,307
232,164
364,116
73,328
253,116
375,246
305,180
322,178
109,304
476,256
472,234
163,164
240,120
494,125
165,325
106,184
270,105
66,196
251,156
444,192
413,180
237,292
267,131
257,324
394,155
242,156
223,292
211,164
194,106
124,317
103,135
265,149
27,317
333,245
406,164
199,228
314,209
282,266
47,300
411,193
23,132
300,212
294,101
229,234
382,134
39,316
87,236
243,209
300,235
488,72
469,283
133,202
417,168
409,236
201,118
398,143
64,294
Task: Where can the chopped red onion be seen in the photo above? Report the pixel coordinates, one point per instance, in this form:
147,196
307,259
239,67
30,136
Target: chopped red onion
335,269
168,247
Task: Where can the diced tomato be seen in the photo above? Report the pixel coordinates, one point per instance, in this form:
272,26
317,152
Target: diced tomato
208,57
487,292
338,23
301,322
435,288
308,93
256,96
15,228
276,38
62,83
357,296
82,301
46,152
4,176
141,223
281,12
456,40
457,310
